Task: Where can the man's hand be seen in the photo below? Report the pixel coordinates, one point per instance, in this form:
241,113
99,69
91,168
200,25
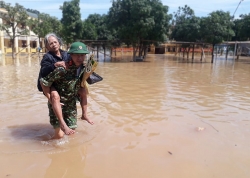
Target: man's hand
61,64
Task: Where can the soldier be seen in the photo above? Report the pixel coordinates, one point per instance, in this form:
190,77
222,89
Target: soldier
66,82
55,57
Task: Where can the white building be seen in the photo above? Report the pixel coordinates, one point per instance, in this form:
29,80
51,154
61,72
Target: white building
23,44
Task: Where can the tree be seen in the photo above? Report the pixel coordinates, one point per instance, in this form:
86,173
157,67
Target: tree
45,24
14,22
216,28
56,26
186,27
100,23
41,25
241,27
160,30
71,21
89,31
99,29
138,21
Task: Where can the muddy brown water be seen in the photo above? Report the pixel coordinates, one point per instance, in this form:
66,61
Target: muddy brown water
165,117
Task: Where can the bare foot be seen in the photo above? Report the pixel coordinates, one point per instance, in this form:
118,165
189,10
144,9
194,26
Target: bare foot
87,119
67,130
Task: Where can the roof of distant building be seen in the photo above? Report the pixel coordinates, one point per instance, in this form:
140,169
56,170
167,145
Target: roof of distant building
32,14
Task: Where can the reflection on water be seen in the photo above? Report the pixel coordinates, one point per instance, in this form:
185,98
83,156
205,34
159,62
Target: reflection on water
166,117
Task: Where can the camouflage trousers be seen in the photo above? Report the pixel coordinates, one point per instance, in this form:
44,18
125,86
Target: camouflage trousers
69,112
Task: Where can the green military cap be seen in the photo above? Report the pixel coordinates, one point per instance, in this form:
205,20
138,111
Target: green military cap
78,48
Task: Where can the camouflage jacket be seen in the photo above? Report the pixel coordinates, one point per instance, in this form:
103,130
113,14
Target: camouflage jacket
66,82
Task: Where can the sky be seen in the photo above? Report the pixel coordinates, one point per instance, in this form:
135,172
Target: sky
201,8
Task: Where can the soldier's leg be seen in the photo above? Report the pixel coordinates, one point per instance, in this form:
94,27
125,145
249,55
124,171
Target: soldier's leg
84,104
58,133
70,113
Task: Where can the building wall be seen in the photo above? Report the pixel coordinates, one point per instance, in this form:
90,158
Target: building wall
24,44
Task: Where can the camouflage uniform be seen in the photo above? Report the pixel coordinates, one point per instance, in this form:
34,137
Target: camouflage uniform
66,83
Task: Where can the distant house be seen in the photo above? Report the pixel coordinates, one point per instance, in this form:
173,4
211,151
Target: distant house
24,43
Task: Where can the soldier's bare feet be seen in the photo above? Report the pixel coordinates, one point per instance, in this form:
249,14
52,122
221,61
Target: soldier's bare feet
87,119
67,130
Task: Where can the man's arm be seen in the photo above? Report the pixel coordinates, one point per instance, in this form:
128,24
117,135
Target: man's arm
47,65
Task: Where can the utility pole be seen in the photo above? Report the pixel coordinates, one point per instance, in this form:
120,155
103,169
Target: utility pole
237,7
235,45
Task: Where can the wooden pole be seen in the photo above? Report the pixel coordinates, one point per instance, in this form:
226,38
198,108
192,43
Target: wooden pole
193,54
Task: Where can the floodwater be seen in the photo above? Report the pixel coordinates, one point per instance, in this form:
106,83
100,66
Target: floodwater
166,117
